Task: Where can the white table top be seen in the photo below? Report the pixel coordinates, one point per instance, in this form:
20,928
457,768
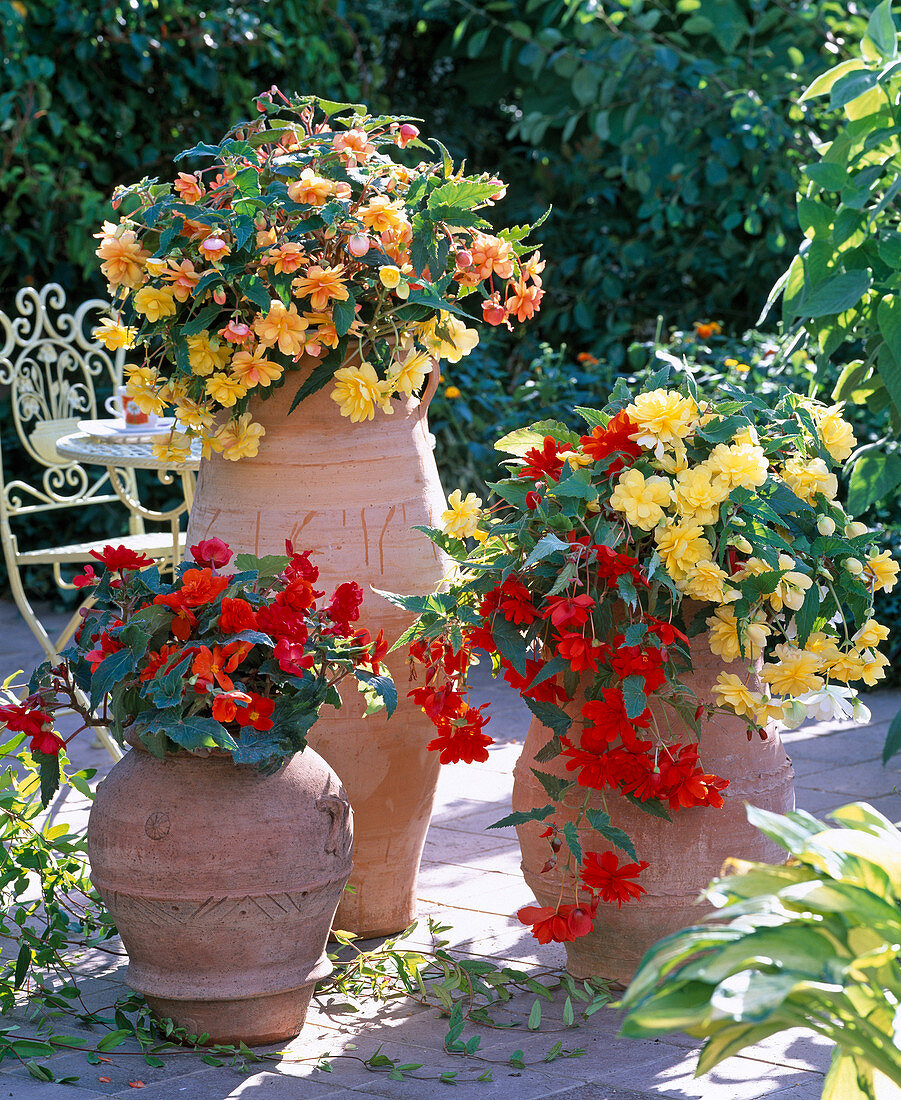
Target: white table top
127,453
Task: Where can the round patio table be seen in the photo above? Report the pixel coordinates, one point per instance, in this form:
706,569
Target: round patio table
118,455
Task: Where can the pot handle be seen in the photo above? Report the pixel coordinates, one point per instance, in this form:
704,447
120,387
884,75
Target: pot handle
431,388
338,809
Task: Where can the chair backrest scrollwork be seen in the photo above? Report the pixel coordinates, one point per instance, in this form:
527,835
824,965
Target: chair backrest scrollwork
52,366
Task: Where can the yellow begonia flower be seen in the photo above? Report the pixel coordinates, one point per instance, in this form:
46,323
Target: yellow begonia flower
389,276
641,499
747,437
407,372
664,418
825,646
462,517
794,673
881,572
732,692
448,338
174,389
870,635
739,464
681,546
155,303
175,447
145,395
358,390
240,438
282,325
112,334
225,389
767,710
707,582
808,476
191,414
698,496
836,433
792,587
574,459
206,355
672,462
724,635
872,666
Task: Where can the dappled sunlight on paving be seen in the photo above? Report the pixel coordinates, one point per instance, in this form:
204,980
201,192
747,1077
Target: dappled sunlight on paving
471,881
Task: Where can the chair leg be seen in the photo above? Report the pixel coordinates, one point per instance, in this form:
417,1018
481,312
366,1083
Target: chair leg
51,649
26,610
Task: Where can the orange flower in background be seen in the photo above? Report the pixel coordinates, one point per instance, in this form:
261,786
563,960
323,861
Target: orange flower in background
122,254
321,285
492,256
524,302
183,621
188,187
706,329
383,215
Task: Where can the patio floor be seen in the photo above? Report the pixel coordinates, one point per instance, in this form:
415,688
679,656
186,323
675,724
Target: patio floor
470,880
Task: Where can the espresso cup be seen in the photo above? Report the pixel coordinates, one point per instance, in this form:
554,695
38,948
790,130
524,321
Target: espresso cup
122,405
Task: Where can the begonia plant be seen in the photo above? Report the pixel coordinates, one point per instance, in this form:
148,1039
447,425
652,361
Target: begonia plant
240,663
306,239
671,516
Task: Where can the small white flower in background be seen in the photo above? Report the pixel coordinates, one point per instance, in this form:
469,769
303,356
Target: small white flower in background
834,702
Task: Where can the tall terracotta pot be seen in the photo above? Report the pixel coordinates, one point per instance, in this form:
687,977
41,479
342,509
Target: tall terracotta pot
685,854
351,493
223,884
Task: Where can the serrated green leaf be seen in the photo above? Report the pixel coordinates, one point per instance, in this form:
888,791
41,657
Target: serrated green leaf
600,822
571,835
520,817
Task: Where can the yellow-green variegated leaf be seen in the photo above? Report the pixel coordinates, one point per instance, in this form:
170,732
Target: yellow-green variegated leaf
848,1079
862,814
733,1038
823,83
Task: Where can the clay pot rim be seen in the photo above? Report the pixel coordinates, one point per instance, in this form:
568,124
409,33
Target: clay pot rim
134,740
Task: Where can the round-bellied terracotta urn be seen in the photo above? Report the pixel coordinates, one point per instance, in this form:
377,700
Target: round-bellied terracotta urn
350,493
223,883
683,854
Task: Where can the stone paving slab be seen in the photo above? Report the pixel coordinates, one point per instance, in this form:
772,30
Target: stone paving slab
471,881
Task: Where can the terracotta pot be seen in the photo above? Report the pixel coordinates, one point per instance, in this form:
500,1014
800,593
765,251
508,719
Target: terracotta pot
223,884
685,854
351,493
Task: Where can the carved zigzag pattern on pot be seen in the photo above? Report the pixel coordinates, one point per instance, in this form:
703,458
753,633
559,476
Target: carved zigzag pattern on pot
213,910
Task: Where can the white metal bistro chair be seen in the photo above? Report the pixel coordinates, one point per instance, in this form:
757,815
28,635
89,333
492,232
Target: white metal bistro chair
51,364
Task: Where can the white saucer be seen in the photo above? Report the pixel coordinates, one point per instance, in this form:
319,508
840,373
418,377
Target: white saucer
116,428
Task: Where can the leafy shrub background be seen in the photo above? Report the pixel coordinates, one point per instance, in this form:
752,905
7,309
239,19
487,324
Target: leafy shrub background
666,134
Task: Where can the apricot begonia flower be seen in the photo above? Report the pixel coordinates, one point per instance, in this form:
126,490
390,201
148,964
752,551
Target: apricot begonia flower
252,368
321,285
